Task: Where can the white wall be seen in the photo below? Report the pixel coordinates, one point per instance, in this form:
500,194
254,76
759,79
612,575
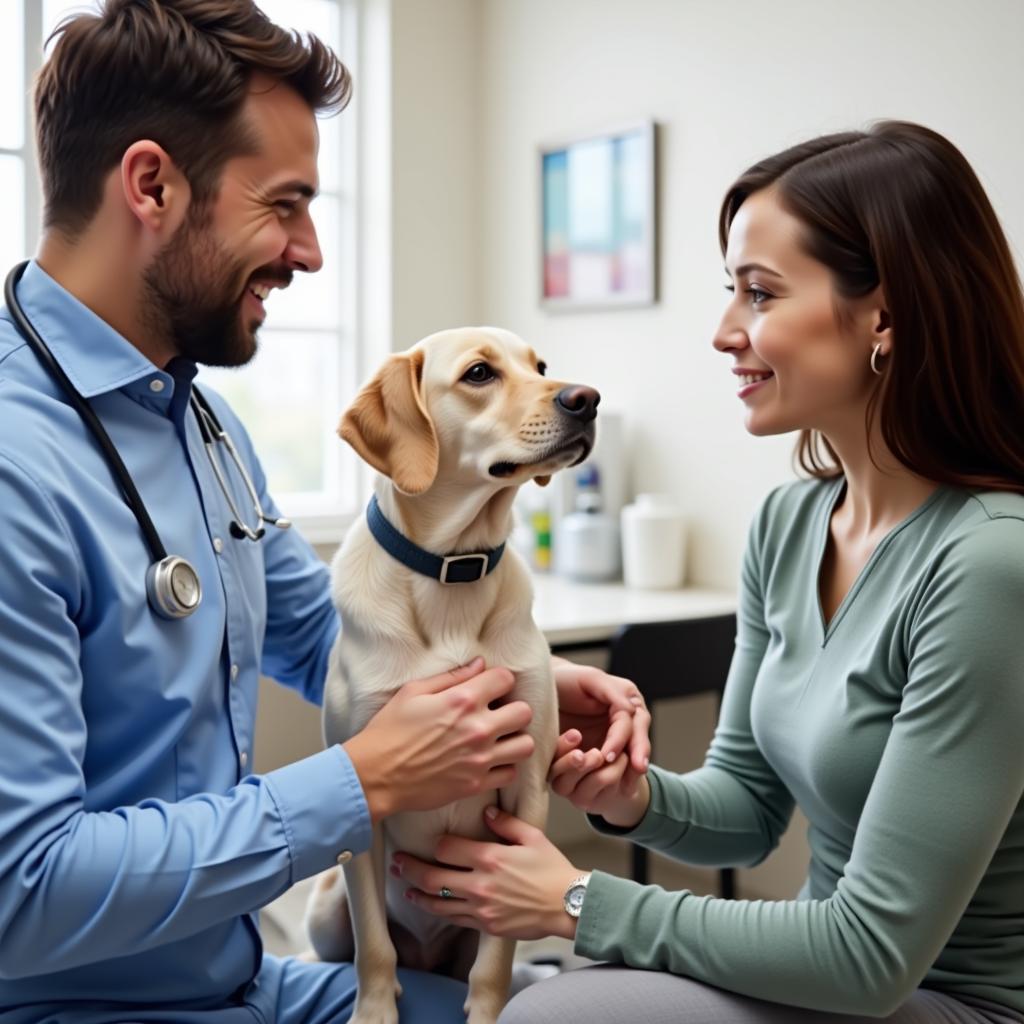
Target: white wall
729,83
435,176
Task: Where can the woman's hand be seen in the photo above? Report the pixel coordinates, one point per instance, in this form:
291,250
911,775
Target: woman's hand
607,712
515,890
593,768
613,791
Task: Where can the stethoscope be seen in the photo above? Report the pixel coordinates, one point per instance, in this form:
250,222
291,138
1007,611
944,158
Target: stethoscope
172,583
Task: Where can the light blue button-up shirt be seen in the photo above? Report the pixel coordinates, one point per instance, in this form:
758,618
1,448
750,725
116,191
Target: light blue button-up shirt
135,847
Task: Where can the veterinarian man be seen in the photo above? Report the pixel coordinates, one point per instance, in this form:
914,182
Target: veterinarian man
138,607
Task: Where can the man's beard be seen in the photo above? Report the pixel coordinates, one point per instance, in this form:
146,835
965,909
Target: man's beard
192,297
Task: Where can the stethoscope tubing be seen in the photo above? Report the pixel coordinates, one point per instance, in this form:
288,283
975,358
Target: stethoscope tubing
85,410
172,583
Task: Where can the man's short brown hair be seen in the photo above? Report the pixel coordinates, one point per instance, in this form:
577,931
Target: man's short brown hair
174,71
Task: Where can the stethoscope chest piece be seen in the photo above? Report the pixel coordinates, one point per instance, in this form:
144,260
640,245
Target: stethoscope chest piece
173,587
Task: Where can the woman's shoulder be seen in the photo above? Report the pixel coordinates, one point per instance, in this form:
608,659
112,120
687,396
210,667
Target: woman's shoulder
989,530
971,554
789,515
989,506
792,505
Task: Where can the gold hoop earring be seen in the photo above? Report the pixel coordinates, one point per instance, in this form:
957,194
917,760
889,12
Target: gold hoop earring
874,356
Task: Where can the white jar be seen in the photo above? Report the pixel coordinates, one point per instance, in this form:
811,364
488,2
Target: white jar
586,543
653,543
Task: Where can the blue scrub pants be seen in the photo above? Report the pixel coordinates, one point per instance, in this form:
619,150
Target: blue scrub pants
286,991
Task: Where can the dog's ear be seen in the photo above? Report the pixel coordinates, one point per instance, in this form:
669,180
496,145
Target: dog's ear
388,424
542,481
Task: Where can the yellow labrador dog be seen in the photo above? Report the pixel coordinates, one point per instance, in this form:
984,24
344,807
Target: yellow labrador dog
423,582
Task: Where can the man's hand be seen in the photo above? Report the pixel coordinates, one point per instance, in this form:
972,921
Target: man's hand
437,740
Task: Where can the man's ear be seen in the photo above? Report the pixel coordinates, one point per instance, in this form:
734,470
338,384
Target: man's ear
388,425
155,190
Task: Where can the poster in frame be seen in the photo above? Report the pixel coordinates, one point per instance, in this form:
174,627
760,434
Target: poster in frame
598,220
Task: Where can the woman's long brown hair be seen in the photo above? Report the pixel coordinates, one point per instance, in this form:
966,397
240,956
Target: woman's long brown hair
899,206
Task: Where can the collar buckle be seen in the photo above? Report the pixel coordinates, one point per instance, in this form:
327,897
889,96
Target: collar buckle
459,563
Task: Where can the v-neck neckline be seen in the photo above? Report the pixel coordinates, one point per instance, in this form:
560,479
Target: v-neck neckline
828,629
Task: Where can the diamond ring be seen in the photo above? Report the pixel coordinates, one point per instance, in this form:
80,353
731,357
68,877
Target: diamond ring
446,893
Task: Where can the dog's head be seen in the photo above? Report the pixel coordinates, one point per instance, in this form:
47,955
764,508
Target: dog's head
470,405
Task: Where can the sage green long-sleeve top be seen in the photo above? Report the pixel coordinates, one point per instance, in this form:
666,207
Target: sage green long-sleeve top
898,729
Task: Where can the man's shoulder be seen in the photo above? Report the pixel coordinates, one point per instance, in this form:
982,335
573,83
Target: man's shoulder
10,340
32,416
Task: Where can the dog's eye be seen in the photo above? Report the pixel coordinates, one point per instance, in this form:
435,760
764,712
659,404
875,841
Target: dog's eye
542,368
479,373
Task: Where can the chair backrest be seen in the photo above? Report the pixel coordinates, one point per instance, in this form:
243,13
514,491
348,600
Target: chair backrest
675,659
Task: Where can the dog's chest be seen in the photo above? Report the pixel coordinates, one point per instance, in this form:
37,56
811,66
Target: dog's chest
397,626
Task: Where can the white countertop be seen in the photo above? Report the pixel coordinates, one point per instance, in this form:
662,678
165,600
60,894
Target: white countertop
569,612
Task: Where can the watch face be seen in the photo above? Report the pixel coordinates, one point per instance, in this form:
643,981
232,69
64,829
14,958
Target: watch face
574,899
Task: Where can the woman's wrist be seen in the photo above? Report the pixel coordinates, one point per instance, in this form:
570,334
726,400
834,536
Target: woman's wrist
563,923
630,811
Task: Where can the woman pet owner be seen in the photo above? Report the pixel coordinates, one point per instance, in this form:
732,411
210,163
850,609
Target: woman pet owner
878,677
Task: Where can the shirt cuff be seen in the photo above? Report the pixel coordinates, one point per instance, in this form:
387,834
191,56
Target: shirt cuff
606,901
323,810
656,828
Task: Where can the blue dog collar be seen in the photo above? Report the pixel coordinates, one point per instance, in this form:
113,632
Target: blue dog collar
463,568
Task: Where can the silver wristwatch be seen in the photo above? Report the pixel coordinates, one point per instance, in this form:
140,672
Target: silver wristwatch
573,898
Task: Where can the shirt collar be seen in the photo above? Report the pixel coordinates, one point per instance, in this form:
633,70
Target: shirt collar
94,356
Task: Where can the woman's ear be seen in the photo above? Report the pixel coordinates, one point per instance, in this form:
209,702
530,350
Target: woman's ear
388,425
883,332
880,322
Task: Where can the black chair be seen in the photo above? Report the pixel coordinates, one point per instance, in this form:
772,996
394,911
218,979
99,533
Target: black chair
675,659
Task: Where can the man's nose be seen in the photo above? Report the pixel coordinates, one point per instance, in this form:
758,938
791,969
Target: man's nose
578,401
303,252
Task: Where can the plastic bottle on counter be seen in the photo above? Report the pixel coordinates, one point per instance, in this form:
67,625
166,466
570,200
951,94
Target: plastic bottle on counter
653,543
587,544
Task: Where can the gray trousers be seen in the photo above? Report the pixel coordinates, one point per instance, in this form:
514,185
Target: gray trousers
609,994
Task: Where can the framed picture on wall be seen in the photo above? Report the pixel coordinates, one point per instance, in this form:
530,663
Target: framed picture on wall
598,220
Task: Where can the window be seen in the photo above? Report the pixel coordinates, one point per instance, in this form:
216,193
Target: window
291,396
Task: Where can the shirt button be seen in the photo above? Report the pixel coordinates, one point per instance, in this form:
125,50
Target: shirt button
243,758
156,385
344,857
218,545
234,672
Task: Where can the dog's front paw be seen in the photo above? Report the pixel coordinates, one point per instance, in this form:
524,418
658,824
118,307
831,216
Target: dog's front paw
478,1016
483,1008
377,1007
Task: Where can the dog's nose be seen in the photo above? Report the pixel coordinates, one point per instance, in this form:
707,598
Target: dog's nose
578,401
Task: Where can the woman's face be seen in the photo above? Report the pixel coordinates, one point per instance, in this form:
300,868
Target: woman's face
795,366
